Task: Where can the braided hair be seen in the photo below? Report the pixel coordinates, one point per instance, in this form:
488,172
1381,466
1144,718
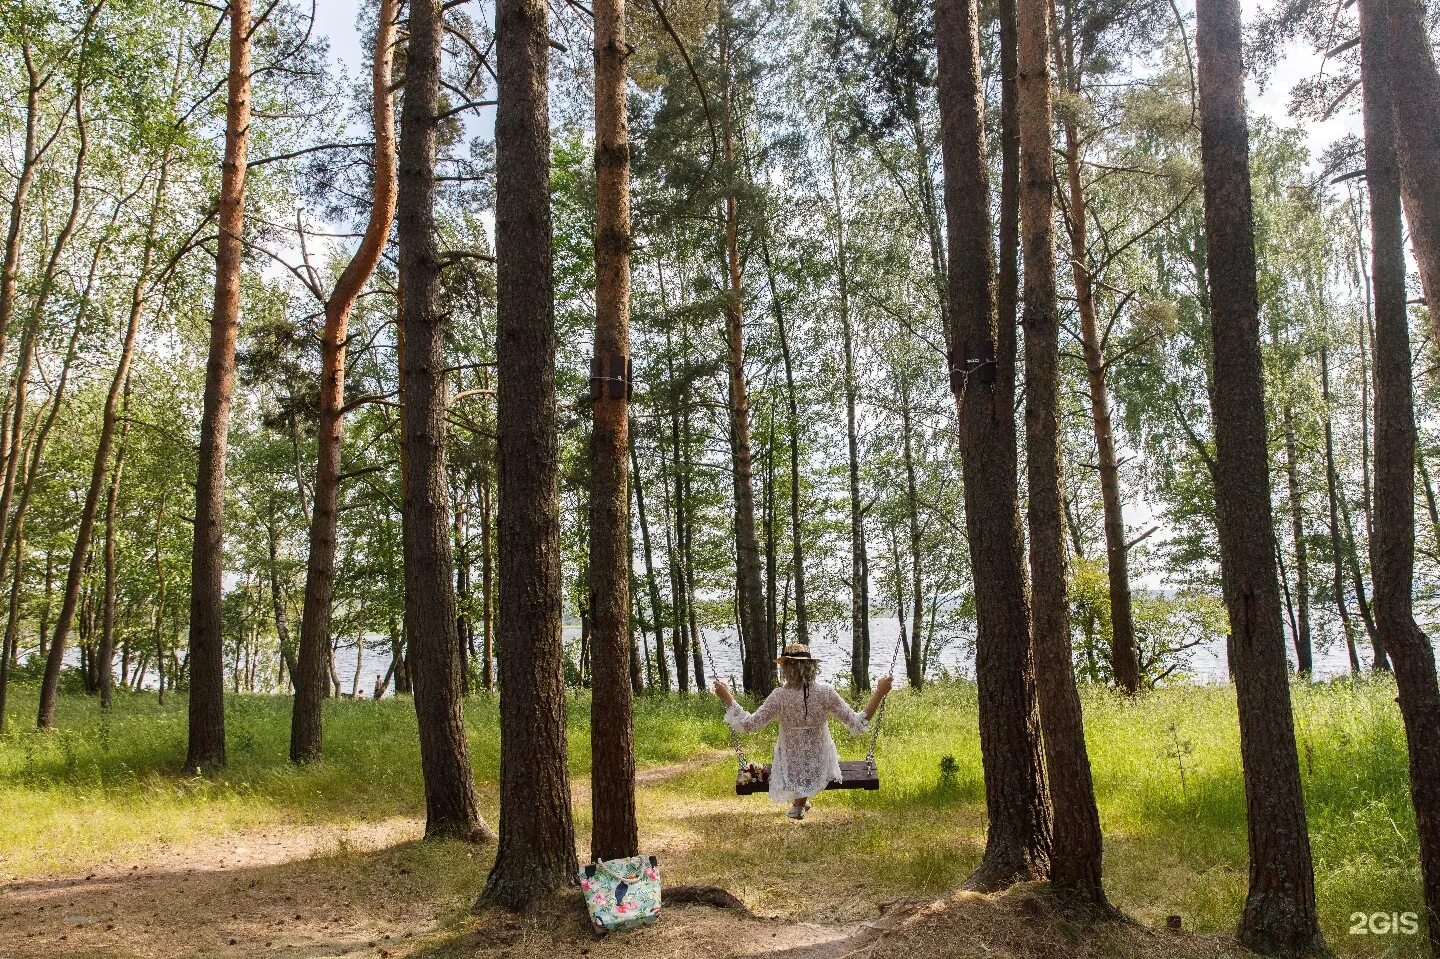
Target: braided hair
799,674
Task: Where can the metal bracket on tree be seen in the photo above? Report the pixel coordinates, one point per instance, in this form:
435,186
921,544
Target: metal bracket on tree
968,360
615,369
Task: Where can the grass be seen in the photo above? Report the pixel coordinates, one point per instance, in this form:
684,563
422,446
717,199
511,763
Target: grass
1166,772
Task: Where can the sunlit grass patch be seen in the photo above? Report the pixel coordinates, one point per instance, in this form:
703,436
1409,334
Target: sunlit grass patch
1166,769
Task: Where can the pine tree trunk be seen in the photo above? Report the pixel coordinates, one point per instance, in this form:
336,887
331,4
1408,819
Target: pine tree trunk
1018,837
487,585
450,808
859,600
307,720
1076,848
613,831
1415,100
1124,660
1380,662
1392,551
537,836
759,674
1279,916
206,747
793,427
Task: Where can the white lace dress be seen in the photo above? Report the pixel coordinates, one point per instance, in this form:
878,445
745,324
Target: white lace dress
805,758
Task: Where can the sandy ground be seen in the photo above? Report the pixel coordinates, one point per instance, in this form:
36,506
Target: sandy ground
376,890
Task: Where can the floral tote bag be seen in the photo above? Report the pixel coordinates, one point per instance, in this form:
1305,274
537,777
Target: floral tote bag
622,894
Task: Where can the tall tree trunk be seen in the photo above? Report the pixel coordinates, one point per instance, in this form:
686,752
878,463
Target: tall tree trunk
662,664
1124,660
767,513
613,831
15,531
159,624
859,594
65,619
1380,662
1076,848
277,597
1279,916
687,546
307,719
450,808
1304,656
31,330
1007,275
1018,837
759,674
107,628
487,585
537,835
207,661
1392,551
792,427
679,637
679,565
914,662
1415,101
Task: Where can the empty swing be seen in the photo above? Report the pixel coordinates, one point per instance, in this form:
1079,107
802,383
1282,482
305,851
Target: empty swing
753,778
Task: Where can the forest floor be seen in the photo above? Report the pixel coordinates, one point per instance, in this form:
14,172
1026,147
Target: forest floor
107,852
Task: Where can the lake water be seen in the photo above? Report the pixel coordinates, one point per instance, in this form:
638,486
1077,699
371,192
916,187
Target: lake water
956,657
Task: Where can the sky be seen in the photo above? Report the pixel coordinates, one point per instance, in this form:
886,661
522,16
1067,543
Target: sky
336,20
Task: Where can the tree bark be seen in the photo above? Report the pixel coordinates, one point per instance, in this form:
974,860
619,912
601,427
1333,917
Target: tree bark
434,667
107,628
1304,655
207,656
307,719
1124,661
1279,916
1076,848
915,660
759,673
487,585
793,427
1018,838
1415,102
859,593
662,664
537,836
277,599
1392,551
613,832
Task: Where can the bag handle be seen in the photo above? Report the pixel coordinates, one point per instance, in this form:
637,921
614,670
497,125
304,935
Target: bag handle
639,873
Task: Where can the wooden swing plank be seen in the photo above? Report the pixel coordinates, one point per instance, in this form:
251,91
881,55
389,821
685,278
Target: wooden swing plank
854,774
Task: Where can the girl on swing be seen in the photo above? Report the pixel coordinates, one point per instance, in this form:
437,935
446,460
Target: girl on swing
805,759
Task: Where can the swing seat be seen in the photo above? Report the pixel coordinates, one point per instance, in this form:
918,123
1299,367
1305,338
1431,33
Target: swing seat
854,774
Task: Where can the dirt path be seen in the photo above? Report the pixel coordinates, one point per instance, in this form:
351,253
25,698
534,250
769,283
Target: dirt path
374,891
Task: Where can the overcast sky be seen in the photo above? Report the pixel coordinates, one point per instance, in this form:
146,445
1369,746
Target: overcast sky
336,19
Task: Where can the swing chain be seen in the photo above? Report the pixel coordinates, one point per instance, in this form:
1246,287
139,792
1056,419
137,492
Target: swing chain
880,713
741,760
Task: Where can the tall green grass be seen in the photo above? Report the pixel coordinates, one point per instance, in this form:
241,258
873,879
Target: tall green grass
1166,766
